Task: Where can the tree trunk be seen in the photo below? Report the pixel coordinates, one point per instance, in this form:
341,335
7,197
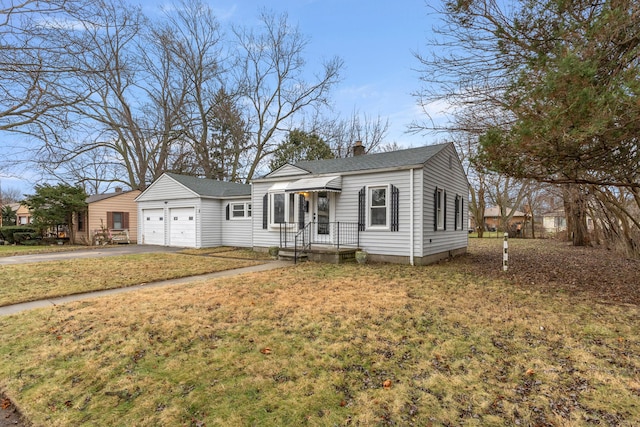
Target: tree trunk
575,203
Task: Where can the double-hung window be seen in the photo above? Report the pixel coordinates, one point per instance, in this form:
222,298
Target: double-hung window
440,209
283,208
240,210
378,207
118,220
459,215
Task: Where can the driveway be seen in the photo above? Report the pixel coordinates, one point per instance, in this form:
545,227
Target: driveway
96,252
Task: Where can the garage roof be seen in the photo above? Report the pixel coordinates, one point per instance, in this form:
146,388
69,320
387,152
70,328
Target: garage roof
210,187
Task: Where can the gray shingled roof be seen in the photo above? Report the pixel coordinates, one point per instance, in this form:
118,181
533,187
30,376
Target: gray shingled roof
211,187
391,159
97,197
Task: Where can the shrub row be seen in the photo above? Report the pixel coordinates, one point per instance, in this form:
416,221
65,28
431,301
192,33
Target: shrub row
18,233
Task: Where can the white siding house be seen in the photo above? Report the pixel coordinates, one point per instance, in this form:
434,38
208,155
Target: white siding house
406,206
185,211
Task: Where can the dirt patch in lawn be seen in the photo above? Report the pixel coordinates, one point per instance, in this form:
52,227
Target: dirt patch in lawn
558,267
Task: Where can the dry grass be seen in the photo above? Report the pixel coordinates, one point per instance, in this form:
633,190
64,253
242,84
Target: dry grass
326,345
29,282
13,250
229,252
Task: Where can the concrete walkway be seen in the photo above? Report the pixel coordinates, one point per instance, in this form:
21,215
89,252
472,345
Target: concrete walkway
17,308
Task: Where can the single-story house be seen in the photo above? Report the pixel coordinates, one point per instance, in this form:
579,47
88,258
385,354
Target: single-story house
112,216
186,211
405,206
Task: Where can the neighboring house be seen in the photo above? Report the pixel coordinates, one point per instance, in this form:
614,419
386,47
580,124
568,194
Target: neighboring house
554,221
23,215
492,218
111,216
185,211
405,206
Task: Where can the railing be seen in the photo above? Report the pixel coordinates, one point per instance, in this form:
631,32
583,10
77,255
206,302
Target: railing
338,234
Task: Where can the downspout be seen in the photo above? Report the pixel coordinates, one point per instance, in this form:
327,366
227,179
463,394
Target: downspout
411,225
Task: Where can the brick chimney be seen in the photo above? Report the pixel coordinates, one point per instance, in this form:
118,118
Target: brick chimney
118,189
358,149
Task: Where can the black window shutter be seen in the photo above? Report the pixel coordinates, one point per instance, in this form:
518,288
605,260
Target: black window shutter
265,211
461,213
395,205
300,211
445,209
227,211
361,208
435,210
455,222
125,220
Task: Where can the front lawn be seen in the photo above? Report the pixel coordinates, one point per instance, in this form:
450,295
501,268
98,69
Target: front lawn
459,343
12,250
29,282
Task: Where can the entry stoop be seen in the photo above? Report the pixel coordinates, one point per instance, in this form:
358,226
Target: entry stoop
326,254
331,254
288,254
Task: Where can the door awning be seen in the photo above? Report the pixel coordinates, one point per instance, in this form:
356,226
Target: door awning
324,183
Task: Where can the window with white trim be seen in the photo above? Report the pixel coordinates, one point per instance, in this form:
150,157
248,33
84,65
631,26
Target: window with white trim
459,216
240,210
440,208
282,208
378,207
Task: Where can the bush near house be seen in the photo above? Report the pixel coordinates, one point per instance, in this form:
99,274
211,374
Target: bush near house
18,233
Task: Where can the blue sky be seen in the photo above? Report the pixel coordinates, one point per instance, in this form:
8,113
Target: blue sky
376,40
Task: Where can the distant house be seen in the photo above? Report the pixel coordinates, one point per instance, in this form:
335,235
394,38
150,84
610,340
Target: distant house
554,221
109,217
186,211
23,215
405,206
492,218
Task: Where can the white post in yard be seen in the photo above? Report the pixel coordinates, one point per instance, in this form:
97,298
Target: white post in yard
505,255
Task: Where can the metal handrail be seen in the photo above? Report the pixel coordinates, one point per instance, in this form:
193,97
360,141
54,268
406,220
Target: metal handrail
338,234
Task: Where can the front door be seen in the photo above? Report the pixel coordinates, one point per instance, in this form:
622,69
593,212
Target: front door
322,217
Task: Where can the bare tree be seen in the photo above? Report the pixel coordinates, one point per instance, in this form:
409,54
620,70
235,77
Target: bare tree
132,95
31,63
342,133
272,79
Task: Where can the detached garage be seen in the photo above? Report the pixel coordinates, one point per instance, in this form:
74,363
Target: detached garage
186,211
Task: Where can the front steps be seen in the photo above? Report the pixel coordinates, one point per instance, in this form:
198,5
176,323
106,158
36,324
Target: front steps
327,254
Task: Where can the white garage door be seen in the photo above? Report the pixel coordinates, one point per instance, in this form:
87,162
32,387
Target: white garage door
182,227
153,226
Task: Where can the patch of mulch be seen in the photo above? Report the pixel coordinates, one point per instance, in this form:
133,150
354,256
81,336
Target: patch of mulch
592,273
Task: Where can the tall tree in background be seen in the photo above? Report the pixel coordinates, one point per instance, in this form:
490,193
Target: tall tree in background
53,205
31,64
272,79
563,78
300,145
